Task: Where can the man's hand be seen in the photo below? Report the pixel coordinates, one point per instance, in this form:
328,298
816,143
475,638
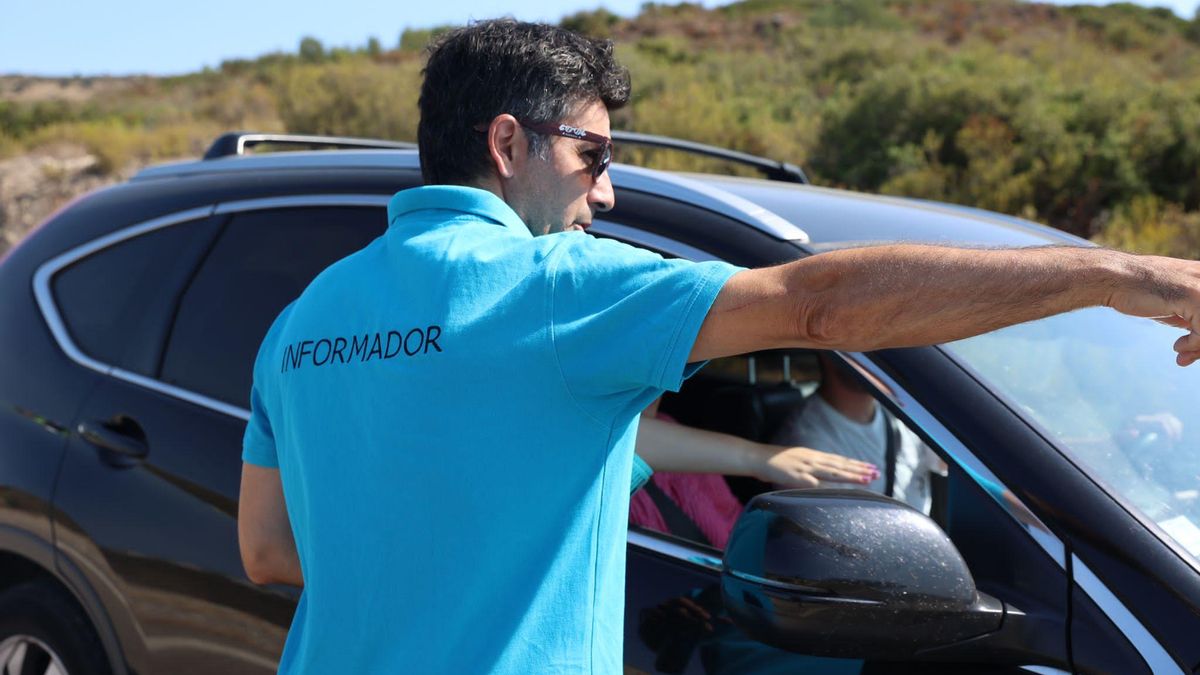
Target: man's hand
264,531
807,468
1167,290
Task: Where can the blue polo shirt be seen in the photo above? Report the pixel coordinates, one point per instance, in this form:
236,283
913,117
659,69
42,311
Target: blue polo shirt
452,411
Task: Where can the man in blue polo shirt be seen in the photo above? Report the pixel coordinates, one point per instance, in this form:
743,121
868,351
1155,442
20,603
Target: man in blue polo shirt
442,424
455,412
451,411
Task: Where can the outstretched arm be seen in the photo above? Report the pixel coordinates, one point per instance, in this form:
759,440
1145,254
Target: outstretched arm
907,295
264,531
674,447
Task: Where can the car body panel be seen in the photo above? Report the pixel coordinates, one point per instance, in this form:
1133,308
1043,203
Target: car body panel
837,218
159,538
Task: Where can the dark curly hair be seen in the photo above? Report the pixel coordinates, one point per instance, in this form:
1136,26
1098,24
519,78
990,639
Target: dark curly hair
535,72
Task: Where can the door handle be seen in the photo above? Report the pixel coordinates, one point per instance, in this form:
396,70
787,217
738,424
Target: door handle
122,448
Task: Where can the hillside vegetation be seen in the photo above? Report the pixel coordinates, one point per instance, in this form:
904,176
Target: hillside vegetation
1085,118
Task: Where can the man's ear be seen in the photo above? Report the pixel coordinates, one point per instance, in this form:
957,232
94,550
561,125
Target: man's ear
507,145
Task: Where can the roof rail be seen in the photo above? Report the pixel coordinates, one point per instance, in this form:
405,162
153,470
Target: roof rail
237,142
773,170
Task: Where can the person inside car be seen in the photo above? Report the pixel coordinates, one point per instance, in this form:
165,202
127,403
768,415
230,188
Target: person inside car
441,521
843,417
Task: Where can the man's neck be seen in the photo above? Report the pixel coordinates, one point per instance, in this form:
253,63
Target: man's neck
493,185
490,183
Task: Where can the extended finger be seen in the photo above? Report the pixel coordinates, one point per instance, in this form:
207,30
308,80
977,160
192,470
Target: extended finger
842,476
1187,347
827,458
836,459
839,460
838,463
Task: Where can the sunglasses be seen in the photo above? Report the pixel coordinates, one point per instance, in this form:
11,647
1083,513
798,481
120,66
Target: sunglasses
601,160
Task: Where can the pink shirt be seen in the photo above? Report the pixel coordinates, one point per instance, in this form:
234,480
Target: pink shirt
704,497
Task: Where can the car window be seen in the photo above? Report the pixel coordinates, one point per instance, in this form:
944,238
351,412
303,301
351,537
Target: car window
1105,389
775,398
260,263
117,302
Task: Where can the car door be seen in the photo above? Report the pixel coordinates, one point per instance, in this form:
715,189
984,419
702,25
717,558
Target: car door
675,621
147,501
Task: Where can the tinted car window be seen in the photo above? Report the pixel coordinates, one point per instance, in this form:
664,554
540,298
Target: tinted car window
763,397
262,261
117,303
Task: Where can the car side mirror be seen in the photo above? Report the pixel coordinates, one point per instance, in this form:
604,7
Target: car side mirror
849,573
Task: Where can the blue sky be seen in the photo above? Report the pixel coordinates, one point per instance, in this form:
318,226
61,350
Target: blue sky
120,37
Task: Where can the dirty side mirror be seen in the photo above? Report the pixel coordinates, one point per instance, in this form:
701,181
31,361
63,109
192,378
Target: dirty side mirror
848,573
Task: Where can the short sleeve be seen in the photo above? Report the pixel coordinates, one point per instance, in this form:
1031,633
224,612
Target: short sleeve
624,320
258,444
641,473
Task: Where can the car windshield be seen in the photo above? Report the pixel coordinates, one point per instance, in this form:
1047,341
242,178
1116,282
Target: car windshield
1106,389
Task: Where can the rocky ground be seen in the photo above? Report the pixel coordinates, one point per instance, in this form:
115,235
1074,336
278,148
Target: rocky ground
28,89
33,186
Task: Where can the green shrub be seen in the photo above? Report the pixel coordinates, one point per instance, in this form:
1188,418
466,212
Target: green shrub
9,146
857,13
1086,118
311,50
117,146
417,39
1147,224
597,23
355,98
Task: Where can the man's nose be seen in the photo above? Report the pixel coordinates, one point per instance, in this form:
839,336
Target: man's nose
601,196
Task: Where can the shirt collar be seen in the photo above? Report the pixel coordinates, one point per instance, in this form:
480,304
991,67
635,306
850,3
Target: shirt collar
471,200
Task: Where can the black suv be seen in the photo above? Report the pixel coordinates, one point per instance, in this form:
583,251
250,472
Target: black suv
130,320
